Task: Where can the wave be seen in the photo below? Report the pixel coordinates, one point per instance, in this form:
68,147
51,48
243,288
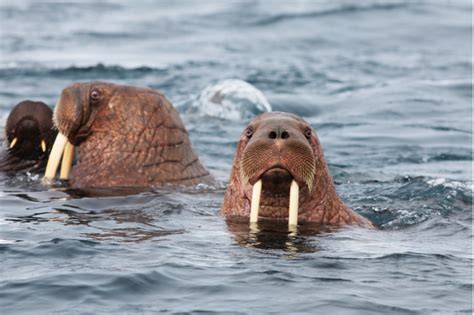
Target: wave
98,70
346,8
408,255
407,201
62,288
101,71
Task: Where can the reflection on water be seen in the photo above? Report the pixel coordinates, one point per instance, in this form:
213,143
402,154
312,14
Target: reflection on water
106,192
139,224
267,234
113,224
131,234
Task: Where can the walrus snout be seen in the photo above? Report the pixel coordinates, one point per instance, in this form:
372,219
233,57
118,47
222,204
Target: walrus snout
278,143
72,118
73,111
66,114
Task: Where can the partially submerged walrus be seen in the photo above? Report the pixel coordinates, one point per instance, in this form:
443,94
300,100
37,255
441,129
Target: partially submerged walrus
279,172
30,135
125,137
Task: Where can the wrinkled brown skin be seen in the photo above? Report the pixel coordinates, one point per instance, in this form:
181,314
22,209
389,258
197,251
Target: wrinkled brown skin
292,154
127,137
29,122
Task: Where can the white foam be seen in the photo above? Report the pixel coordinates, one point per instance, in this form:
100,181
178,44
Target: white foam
450,184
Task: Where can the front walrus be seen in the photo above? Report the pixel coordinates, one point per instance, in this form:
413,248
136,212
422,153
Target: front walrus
279,172
125,136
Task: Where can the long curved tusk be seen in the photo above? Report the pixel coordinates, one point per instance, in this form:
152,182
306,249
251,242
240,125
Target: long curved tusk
14,141
256,192
66,163
55,157
293,213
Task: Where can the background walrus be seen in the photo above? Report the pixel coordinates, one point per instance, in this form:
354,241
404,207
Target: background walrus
125,137
278,151
29,135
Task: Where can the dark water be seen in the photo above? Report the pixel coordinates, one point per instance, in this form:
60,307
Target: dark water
386,84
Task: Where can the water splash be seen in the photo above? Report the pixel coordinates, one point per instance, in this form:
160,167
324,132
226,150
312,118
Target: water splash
232,100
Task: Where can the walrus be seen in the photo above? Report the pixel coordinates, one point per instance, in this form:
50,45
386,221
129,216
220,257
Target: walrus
279,173
29,135
125,136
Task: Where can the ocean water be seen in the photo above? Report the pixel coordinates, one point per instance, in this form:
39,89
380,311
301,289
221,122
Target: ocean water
387,85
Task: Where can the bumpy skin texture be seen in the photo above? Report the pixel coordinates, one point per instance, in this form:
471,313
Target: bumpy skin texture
29,122
126,137
293,152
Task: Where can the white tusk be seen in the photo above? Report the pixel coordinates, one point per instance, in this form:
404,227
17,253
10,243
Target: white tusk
43,145
55,157
14,141
66,163
256,191
293,213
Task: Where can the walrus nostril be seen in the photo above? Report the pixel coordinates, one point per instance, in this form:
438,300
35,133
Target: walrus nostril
278,135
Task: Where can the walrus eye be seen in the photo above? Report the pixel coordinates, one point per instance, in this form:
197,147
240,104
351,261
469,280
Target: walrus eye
308,133
95,95
249,132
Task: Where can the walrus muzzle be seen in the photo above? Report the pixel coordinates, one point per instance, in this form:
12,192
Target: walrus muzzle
72,116
280,161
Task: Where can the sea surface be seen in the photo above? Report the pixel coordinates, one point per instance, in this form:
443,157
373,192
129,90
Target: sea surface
387,85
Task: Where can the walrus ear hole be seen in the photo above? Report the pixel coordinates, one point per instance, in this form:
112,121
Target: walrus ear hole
95,95
308,133
249,132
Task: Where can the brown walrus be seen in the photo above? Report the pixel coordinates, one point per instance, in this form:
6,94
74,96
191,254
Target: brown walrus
30,135
279,152
125,137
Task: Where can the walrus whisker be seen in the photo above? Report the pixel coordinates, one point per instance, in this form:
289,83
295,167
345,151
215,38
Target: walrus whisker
66,163
256,192
293,211
55,157
309,183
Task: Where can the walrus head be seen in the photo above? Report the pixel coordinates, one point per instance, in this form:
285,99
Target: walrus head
125,137
278,150
77,107
279,172
30,135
